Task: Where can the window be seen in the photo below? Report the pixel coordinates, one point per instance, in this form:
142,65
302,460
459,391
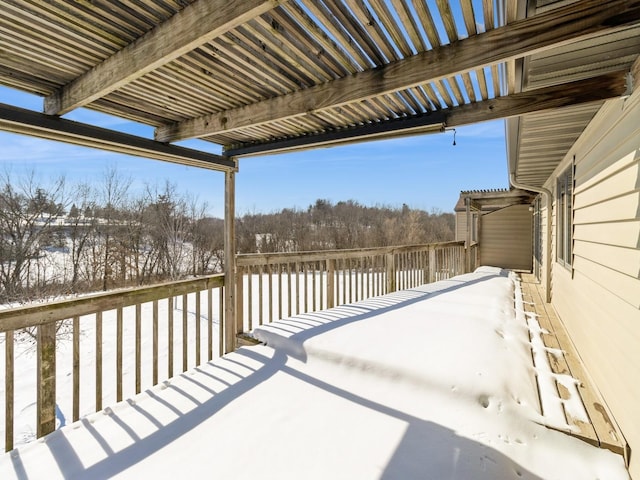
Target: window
565,217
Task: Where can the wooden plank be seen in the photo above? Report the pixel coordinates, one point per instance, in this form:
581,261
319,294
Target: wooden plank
240,276
270,292
119,351
193,26
210,322
138,348
249,271
170,307
155,351
524,37
98,361
280,297
9,388
469,17
76,368
488,12
46,383
185,333
198,331
260,296
221,313
409,24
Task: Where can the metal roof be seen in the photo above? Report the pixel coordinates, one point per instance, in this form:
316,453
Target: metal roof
540,140
268,75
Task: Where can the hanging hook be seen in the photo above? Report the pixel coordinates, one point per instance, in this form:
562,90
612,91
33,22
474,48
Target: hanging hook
454,137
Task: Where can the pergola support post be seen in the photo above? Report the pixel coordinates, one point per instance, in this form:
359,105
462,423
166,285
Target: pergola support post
230,262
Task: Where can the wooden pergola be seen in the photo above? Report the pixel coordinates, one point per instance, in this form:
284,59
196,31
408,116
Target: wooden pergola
263,76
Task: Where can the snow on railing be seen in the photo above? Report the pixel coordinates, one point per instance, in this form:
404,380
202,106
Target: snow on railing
97,349
271,286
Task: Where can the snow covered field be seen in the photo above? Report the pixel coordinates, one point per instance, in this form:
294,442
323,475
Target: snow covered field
433,382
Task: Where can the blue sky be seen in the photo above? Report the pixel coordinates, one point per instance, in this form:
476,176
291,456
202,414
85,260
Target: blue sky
425,172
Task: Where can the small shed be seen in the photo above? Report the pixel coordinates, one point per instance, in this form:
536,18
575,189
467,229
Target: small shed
501,222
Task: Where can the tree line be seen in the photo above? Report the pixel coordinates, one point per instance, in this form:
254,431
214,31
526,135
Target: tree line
57,239
345,224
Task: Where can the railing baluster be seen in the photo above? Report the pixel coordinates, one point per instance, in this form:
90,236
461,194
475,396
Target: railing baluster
98,361
155,342
239,325
170,301
288,289
297,267
314,273
9,369
279,270
221,319
138,348
210,321
306,287
270,279
260,296
119,354
249,271
198,330
322,283
76,368
185,333
344,281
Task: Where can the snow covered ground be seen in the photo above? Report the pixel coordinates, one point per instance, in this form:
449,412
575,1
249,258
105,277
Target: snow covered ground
433,382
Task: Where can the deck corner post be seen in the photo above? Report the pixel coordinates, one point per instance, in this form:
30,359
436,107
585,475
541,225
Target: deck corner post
230,263
391,272
46,416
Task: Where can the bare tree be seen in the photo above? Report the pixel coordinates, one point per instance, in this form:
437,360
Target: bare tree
28,211
113,194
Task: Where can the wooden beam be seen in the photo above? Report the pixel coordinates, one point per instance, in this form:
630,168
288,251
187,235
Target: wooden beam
563,25
602,87
599,88
191,27
27,122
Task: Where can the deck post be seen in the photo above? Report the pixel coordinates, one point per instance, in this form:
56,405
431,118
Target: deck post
230,262
391,272
46,416
432,264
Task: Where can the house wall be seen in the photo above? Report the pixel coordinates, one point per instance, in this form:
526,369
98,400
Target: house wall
598,296
506,238
461,226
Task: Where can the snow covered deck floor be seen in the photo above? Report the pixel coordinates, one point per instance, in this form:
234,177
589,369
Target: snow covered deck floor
597,428
434,382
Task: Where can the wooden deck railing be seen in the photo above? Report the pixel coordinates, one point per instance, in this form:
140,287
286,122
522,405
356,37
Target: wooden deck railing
155,334
158,331
271,286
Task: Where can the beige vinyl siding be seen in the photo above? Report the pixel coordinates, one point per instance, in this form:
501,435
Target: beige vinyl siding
598,298
461,226
506,238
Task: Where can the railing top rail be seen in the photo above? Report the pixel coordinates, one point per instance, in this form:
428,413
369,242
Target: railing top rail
256,259
32,315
